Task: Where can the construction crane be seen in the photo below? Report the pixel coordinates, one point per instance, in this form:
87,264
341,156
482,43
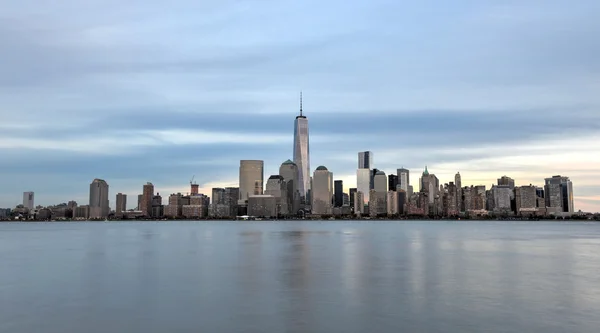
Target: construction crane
191,181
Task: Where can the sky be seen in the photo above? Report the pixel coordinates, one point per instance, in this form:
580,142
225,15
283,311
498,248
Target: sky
161,91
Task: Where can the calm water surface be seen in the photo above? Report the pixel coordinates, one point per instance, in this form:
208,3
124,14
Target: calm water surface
299,277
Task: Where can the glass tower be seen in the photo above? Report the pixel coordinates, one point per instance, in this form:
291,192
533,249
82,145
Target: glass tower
301,153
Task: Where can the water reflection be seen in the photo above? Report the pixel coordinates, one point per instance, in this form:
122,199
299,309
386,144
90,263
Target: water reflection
301,277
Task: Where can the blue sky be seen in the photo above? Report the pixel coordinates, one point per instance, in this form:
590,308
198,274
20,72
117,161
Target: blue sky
159,91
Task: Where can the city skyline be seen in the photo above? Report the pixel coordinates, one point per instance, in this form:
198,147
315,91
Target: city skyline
140,98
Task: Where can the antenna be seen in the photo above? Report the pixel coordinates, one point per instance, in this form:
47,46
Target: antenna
300,103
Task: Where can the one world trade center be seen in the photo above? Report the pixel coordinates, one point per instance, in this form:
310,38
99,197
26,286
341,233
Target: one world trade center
301,154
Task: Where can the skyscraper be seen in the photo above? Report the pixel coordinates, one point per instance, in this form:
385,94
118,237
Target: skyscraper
380,183
277,187
403,178
322,191
99,199
506,181
339,193
459,200
28,200
363,183
301,152
121,204
392,182
365,160
146,204
352,195
289,171
251,179
558,193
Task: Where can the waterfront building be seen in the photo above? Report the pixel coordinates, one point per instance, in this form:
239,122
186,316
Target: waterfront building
363,183
322,191
121,204
338,186
302,154
28,200
289,171
99,207
251,179
277,187
392,182
403,179
147,195
380,182
558,193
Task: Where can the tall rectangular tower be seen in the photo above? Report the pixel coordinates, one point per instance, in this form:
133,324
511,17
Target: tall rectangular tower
146,204
302,153
251,179
403,178
121,204
365,160
338,193
28,200
99,207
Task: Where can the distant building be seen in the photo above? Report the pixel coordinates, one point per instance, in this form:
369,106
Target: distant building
392,203
289,171
81,212
157,206
392,182
365,160
338,193
146,203
506,181
352,195
99,207
459,195
403,179
502,198
302,155
28,200
322,191
251,179
359,205
139,202
558,193
277,187
196,206
377,203
175,206
363,183
526,200
345,199
121,204
380,182
262,206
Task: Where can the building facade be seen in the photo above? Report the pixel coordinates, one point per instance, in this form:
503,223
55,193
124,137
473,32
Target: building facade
28,200
302,154
322,191
251,179
363,183
99,207
338,188
121,204
146,203
403,178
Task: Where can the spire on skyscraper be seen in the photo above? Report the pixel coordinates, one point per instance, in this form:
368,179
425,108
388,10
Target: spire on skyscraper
300,103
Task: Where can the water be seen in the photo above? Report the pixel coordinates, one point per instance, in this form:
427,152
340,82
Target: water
299,277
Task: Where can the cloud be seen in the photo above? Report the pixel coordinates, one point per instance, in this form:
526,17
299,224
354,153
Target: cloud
156,92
